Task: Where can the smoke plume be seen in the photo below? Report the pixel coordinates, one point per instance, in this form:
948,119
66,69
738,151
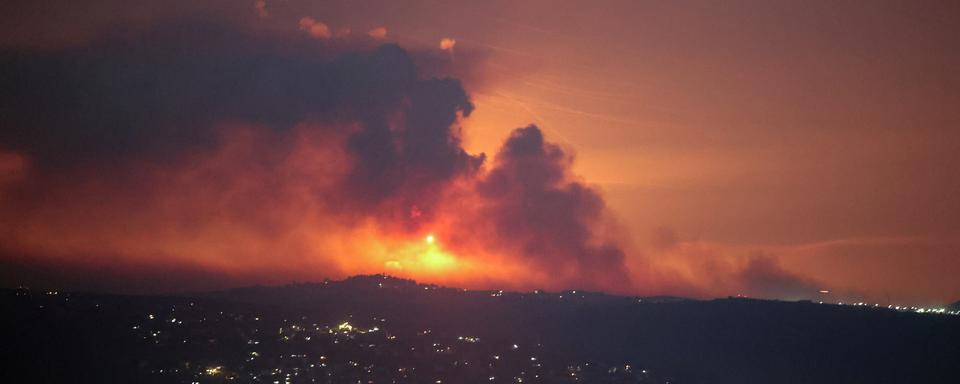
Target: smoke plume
276,157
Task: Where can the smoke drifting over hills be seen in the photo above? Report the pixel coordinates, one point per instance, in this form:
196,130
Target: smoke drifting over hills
276,157
191,153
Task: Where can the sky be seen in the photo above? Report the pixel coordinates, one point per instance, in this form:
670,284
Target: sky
759,148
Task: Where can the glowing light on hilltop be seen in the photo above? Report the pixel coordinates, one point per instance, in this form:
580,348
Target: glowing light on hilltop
435,255
426,257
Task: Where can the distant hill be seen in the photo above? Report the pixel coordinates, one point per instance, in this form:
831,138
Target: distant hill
384,329
954,307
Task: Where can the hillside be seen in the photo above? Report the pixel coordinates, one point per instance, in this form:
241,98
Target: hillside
382,329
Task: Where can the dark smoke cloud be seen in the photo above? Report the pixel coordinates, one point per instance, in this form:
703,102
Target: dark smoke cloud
552,219
164,89
424,154
225,156
161,94
764,277
127,132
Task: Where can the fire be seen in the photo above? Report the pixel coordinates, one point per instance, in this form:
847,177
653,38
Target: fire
447,44
355,188
424,258
437,260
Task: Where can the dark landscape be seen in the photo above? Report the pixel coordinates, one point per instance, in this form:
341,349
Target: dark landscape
493,191
378,329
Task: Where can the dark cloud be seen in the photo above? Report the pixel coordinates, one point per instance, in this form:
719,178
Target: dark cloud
411,157
763,276
150,108
162,93
552,219
165,89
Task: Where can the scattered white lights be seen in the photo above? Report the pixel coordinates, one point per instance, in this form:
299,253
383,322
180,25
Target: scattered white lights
904,308
468,339
491,360
346,332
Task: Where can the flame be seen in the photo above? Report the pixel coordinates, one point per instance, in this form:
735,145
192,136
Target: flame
447,43
426,258
273,209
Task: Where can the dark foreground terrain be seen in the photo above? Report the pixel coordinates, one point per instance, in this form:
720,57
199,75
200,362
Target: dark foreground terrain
376,329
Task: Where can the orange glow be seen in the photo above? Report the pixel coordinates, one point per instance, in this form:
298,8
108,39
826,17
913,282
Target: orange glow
447,43
378,33
745,133
424,259
315,28
229,214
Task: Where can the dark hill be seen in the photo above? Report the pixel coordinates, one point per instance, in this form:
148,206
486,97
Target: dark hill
383,329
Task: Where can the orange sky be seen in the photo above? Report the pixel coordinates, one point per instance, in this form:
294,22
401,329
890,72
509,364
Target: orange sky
820,135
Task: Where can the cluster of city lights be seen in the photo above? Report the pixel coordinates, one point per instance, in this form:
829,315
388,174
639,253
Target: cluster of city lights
904,308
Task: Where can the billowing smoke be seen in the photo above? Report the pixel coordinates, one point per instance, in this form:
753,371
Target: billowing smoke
551,220
199,155
264,158
763,275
